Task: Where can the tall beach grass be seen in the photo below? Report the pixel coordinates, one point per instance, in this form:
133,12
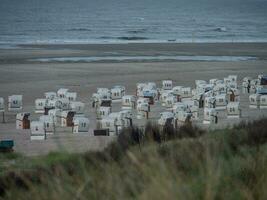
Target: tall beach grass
154,163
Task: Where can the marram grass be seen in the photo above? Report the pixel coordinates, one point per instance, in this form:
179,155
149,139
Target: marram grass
171,164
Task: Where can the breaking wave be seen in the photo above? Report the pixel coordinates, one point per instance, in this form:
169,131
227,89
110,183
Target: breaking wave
220,29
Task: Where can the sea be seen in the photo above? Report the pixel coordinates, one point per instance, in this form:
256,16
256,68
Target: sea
126,21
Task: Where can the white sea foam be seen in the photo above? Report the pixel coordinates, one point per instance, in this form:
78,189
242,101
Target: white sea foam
144,58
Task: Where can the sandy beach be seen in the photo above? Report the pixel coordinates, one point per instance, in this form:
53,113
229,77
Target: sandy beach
22,53
20,75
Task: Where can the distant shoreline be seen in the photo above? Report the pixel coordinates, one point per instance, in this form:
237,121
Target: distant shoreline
163,43
124,42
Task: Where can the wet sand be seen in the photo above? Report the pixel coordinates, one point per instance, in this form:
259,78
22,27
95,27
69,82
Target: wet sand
32,79
23,53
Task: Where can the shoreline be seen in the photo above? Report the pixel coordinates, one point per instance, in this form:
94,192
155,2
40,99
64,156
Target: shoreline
140,45
118,59
137,42
24,53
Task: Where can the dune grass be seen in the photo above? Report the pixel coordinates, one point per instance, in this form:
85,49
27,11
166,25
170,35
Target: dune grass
187,163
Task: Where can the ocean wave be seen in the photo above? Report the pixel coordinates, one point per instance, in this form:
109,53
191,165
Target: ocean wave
129,38
145,58
171,40
140,18
220,29
143,30
132,38
106,37
79,29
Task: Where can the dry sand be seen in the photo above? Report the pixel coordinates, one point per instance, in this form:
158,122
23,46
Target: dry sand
19,76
